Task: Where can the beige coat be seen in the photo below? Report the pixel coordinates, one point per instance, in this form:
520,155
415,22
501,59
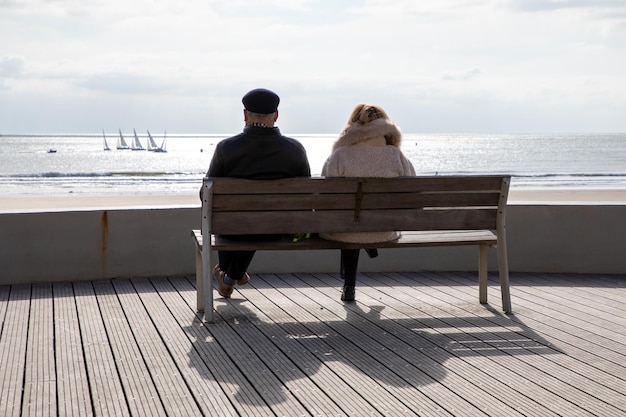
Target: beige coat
369,150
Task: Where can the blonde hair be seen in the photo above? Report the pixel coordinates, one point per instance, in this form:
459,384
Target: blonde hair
365,113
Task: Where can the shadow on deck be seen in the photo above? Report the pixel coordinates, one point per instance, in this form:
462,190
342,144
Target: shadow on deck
412,344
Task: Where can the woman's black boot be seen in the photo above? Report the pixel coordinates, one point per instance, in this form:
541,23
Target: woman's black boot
347,294
348,267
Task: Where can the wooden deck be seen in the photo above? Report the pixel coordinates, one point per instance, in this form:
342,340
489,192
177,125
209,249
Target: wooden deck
413,344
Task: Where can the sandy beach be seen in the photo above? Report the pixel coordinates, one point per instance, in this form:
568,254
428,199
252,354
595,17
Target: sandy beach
516,196
568,196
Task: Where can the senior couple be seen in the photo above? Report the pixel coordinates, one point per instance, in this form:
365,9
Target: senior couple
369,146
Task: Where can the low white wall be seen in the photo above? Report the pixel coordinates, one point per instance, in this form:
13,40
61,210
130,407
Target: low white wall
126,243
95,244
540,238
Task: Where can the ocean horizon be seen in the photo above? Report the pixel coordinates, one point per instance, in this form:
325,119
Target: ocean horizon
68,163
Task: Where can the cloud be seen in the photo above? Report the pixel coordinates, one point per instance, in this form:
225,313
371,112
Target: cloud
465,75
126,84
550,5
11,67
188,63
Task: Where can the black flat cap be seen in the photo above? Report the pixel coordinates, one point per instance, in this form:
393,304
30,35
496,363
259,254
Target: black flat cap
261,100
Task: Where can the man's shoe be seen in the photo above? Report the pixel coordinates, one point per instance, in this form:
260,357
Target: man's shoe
244,280
241,281
347,294
217,270
223,289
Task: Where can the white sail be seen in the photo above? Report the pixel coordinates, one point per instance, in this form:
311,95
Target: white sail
105,144
152,146
162,147
121,142
136,144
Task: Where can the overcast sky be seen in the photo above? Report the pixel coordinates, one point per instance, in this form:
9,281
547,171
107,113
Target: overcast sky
436,66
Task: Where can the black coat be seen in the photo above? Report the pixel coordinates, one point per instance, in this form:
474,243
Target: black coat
259,153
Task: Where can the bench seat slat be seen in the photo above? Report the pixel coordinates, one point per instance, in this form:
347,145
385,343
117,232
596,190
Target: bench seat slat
282,202
348,185
407,239
237,223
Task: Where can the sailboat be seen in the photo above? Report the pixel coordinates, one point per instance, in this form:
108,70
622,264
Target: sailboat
105,144
136,144
152,146
162,147
121,143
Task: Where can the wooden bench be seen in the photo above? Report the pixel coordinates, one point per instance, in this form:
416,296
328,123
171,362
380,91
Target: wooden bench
430,211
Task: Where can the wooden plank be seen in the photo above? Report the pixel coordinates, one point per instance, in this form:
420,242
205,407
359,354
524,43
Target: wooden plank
407,239
434,183
290,202
612,313
533,363
233,223
587,379
72,387
436,352
107,392
376,389
39,374
412,344
207,364
229,388
260,375
447,237
316,386
568,316
13,342
139,387
410,364
452,340
343,185
169,386
568,337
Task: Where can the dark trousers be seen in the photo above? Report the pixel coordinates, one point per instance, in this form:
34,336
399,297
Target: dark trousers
349,263
235,263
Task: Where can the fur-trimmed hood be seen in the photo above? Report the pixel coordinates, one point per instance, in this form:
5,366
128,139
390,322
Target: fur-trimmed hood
358,133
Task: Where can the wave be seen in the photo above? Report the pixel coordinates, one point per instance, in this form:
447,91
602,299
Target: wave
579,181
161,174
529,174
576,175
79,175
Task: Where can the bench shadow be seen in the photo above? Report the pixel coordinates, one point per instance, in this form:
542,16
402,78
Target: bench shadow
242,350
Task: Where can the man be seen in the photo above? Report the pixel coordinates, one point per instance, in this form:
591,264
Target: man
259,152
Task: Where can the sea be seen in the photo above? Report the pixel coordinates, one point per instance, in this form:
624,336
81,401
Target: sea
78,164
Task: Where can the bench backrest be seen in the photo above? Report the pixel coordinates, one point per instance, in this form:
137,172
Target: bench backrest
314,205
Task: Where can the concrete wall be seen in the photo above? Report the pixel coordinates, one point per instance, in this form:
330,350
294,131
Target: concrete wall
126,243
86,245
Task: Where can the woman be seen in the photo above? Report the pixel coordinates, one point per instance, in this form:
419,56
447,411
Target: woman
369,146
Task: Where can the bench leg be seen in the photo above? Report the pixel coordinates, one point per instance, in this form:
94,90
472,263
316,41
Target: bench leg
204,280
503,269
207,277
199,282
207,256
483,267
